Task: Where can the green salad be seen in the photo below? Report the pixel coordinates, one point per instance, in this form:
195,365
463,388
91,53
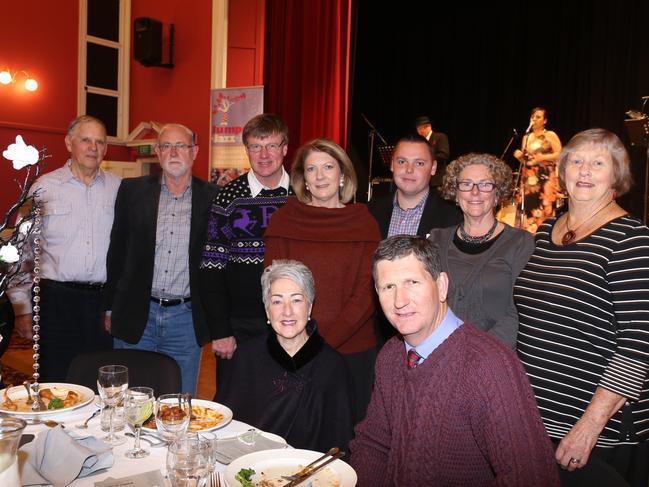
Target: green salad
244,476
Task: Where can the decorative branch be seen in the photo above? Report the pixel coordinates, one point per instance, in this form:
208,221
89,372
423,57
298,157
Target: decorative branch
15,246
24,187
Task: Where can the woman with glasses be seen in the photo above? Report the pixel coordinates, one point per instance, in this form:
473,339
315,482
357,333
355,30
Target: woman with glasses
336,239
481,255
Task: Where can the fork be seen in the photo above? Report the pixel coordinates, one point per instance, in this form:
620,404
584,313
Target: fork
84,425
215,479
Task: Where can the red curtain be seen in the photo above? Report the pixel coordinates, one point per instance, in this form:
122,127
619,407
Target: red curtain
306,74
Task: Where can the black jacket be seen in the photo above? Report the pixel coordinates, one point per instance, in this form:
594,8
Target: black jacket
438,213
131,254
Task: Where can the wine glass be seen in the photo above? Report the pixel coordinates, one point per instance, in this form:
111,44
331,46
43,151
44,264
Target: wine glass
138,407
172,415
188,461
112,382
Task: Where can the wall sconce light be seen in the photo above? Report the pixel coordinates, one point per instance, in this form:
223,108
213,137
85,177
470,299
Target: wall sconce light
6,78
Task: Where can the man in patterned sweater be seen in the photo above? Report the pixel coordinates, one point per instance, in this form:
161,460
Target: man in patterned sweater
233,255
451,405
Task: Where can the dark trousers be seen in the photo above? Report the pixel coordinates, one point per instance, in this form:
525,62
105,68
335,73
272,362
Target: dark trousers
622,466
71,323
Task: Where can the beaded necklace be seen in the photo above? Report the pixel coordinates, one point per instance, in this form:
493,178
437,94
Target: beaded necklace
480,238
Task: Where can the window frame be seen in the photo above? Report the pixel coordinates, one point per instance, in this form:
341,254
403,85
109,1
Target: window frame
123,66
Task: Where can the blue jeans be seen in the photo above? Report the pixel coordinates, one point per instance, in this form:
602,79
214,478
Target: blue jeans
170,331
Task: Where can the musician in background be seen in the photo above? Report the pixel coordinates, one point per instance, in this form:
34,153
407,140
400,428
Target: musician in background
439,141
539,151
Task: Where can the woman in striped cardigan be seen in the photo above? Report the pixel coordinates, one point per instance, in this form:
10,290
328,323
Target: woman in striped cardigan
583,304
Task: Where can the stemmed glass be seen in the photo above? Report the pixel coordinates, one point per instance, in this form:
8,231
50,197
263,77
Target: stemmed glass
172,415
112,382
188,461
138,407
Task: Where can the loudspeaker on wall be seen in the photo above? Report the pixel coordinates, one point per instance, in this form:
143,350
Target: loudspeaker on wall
147,44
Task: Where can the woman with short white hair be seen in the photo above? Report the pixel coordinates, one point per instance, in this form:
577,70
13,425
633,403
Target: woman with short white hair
290,382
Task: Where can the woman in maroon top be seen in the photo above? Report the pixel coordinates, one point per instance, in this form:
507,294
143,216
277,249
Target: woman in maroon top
336,240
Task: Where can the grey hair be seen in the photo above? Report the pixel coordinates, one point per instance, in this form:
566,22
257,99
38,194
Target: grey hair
610,143
180,126
400,246
292,270
81,119
498,169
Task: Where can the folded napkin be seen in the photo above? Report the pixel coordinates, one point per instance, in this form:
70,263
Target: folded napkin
57,458
147,479
229,449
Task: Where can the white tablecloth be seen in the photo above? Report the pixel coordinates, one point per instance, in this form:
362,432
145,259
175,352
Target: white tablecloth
124,466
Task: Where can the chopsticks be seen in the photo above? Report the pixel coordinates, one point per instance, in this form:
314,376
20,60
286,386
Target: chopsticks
315,466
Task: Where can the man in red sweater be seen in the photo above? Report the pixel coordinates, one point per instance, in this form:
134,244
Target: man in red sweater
451,405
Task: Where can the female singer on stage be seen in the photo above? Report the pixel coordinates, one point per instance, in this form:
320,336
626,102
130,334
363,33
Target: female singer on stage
539,151
336,239
583,304
482,256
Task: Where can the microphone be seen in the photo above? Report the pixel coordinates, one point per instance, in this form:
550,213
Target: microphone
529,128
515,133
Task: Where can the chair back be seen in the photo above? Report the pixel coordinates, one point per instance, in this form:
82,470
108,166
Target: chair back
150,369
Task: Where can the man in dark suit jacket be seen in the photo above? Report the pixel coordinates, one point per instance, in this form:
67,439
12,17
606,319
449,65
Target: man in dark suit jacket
153,291
415,207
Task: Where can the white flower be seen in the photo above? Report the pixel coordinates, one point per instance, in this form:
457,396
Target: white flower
24,227
21,154
9,254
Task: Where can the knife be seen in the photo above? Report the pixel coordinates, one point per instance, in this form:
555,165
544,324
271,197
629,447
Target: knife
313,470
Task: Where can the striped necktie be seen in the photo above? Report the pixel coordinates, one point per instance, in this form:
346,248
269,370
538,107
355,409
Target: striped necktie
413,358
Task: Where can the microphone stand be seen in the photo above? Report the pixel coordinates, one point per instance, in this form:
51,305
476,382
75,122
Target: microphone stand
370,142
511,141
519,186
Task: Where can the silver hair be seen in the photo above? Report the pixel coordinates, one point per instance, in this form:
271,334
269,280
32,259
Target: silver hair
292,270
81,119
180,126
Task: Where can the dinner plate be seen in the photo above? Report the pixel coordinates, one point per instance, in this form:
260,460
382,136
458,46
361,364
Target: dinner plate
266,434
224,410
19,392
272,464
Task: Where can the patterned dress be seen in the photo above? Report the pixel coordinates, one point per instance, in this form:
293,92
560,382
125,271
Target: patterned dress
540,185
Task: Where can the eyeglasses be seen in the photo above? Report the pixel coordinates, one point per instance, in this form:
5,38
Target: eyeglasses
179,146
272,147
483,186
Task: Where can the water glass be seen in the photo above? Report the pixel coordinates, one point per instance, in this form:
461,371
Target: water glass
172,415
118,416
138,407
11,430
112,382
188,461
212,441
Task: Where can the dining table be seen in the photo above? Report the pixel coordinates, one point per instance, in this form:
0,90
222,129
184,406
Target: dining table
123,466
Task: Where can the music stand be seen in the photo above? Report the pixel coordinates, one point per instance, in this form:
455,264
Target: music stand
385,152
638,130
